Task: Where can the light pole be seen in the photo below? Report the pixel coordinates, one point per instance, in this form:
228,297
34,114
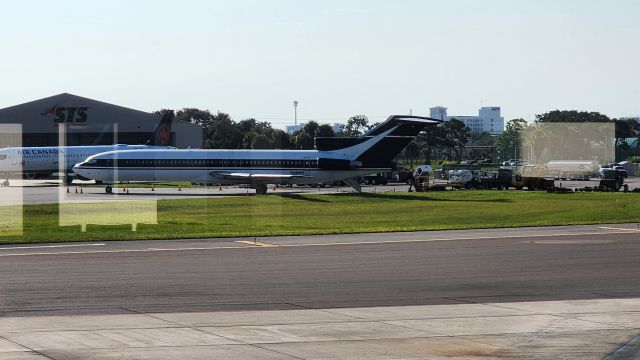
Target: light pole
295,112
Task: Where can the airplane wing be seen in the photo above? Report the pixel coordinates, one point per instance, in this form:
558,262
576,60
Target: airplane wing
252,176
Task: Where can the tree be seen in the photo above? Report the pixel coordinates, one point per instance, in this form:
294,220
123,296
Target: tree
195,116
325,130
303,139
261,141
567,116
280,139
508,141
355,126
456,136
483,143
222,133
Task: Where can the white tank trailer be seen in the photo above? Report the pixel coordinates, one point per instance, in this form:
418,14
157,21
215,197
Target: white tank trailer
572,169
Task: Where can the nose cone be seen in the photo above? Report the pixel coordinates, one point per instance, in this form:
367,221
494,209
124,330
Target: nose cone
78,169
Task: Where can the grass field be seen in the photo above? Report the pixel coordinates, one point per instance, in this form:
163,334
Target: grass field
281,214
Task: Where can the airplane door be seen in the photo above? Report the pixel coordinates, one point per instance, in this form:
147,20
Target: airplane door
17,159
16,162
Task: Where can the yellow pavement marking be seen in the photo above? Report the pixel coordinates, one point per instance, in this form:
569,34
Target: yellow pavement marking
255,243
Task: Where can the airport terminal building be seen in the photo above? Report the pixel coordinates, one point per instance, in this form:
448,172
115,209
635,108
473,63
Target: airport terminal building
88,122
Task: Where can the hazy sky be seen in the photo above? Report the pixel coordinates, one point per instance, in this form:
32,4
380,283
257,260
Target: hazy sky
338,58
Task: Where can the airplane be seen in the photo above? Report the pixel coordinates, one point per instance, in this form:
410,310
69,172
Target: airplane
33,162
338,158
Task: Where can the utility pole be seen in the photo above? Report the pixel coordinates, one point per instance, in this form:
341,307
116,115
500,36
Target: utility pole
295,112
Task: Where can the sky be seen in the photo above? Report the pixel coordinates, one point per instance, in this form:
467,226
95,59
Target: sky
337,58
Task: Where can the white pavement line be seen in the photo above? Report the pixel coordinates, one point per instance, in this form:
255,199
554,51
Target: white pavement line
251,243
560,242
619,229
49,246
255,243
120,251
498,237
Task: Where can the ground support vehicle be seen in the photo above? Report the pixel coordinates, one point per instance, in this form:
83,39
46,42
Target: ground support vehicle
531,177
612,179
478,179
420,178
500,179
572,169
375,179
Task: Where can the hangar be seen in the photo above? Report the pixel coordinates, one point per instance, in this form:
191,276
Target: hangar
88,122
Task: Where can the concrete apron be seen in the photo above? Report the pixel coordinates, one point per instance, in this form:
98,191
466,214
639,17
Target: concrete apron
581,329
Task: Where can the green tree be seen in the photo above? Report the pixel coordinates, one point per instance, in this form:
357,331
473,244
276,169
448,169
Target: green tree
456,137
222,133
567,116
509,140
195,116
325,130
355,126
280,139
303,139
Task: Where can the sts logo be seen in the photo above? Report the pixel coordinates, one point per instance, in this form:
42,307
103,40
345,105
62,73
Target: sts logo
70,115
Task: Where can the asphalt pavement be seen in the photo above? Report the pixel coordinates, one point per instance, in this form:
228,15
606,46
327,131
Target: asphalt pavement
423,268
567,292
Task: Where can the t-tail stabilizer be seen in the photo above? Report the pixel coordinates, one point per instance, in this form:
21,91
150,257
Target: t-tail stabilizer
379,146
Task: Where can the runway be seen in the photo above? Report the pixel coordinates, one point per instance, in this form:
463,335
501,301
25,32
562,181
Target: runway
423,268
553,292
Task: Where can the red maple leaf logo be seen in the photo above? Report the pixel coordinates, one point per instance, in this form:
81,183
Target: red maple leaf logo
163,134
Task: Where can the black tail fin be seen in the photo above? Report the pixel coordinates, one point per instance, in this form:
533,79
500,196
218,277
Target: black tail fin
162,134
406,128
395,132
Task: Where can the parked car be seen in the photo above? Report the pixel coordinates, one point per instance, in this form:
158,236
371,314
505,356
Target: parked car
622,171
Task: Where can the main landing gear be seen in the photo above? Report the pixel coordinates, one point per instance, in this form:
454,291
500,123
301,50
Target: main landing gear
261,189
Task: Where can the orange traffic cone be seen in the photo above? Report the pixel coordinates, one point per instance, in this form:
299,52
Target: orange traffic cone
67,189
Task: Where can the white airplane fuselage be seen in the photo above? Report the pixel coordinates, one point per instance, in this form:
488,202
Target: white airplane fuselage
222,166
47,160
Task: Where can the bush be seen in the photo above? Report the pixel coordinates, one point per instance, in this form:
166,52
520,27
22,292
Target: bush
634,159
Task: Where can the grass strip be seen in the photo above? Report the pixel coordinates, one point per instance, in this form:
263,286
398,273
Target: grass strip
299,214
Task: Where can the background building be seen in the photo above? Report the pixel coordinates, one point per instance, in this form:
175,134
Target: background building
89,122
488,119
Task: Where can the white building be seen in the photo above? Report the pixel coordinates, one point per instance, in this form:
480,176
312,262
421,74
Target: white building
488,119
